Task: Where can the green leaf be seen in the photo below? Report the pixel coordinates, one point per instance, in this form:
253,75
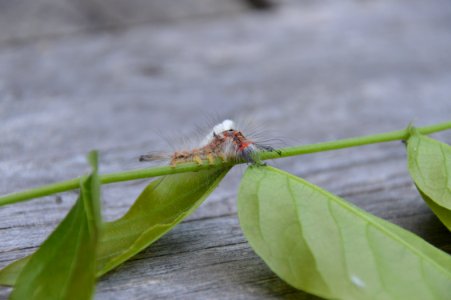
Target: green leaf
319,243
9,274
64,266
161,206
429,163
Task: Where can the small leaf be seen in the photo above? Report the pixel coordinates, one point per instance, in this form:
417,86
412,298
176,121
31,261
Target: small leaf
429,163
64,266
9,274
319,243
162,205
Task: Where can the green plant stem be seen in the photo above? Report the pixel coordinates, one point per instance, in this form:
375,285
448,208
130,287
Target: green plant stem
193,167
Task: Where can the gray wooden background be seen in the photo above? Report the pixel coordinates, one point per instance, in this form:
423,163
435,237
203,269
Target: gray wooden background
123,76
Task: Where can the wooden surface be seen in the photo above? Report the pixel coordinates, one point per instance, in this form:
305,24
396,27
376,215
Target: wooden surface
82,75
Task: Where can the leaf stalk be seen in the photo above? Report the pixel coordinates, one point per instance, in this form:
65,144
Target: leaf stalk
74,183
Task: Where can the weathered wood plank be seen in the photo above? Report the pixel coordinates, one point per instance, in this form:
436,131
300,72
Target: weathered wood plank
326,71
24,20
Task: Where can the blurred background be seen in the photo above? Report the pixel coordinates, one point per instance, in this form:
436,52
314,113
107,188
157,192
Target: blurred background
123,76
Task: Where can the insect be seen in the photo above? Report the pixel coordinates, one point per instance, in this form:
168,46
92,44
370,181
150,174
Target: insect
223,142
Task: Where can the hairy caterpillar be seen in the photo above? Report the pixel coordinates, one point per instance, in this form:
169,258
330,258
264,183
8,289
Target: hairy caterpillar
223,142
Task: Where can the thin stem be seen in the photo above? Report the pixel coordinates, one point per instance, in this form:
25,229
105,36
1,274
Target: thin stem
193,167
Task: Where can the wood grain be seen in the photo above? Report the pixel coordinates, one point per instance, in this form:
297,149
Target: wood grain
31,20
307,72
